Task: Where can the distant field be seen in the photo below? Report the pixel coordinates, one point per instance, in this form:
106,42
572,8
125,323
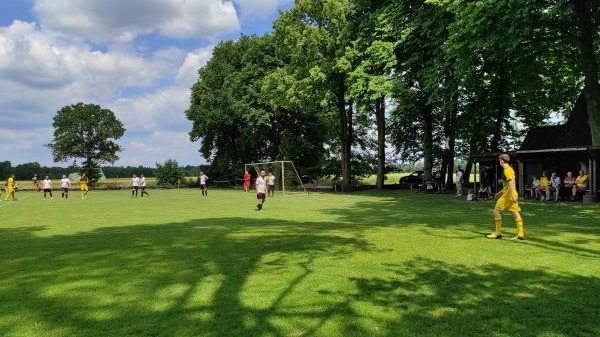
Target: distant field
389,263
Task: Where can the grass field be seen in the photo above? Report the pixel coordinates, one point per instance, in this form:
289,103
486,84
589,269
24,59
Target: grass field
389,263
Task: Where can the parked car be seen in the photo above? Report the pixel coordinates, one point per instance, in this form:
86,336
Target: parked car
414,179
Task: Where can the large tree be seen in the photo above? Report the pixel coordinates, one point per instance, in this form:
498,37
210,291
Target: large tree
586,17
88,132
314,36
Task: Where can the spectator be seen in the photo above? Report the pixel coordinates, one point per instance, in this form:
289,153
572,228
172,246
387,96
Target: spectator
555,185
459,180
439,182
544,187
581,183
535,185
484,192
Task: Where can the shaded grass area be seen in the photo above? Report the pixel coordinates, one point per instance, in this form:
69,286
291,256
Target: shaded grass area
389,263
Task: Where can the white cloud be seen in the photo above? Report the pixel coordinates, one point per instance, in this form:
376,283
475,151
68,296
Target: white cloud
260,9
135,57
188,72
119,20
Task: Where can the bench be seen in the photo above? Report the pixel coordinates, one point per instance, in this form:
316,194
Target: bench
222,183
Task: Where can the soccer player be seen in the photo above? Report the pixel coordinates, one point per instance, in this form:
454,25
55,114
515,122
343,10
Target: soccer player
47,185
135,185
143,185
10,188
271,185
508,198
65,183
246,181
83,185
203,179
261,190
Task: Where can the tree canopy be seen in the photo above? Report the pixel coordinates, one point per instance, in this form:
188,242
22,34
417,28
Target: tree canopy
434,80
89,132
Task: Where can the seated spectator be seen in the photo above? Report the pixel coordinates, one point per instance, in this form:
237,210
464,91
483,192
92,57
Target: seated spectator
471,196
535,184
581,183
484,193
555,185
569,181
544,187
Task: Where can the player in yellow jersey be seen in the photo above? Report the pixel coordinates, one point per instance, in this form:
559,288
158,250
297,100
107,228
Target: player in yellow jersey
10,188
508,198
83,185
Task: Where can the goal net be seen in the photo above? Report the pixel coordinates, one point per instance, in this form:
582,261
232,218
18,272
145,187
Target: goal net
287,178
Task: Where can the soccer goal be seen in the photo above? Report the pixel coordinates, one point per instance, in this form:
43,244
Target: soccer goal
287,178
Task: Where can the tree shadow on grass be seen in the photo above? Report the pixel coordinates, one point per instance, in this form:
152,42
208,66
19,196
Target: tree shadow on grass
210,277
544,222
437,299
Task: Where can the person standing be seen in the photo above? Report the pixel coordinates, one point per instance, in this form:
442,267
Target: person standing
271,185
135,185
47,186
83,185
508,198
203,180
246,184
36,183
459,180
143,185
65,184
261,190
10,188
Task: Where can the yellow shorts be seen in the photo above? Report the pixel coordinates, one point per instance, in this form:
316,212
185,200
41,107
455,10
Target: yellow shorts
84,187
505,202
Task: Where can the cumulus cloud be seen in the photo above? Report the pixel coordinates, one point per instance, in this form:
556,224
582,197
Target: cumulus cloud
260,9
118,20
135,57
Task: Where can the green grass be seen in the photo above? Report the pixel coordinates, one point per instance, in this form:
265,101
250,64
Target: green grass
391,263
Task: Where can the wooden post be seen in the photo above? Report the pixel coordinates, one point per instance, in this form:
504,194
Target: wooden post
521,181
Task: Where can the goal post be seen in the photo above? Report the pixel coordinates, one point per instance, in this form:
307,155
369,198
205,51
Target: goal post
287,178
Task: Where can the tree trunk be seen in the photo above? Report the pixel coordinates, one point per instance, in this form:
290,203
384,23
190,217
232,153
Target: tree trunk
584,13
500,88
346,134
449,143
427,119
380,119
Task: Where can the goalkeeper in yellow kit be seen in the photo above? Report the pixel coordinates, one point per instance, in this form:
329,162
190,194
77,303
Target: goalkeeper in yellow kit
508,198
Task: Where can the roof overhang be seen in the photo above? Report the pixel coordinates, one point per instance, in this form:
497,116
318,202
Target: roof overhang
563,149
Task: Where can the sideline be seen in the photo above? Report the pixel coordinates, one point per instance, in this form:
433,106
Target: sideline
5,203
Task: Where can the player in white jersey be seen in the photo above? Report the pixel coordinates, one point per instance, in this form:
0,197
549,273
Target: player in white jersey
271,184
65,183
203,179
261,190
135,185
47,185
143,185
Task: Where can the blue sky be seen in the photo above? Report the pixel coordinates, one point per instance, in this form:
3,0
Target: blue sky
138,58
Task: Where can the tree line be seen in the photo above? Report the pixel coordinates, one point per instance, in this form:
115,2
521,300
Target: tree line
342,86
27,171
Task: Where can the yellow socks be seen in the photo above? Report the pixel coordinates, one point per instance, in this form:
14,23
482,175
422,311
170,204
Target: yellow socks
520,228
498,223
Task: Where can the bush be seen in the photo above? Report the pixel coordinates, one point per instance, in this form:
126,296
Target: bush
169,173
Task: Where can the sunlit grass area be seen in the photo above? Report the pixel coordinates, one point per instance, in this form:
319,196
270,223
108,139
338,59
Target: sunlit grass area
390,263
